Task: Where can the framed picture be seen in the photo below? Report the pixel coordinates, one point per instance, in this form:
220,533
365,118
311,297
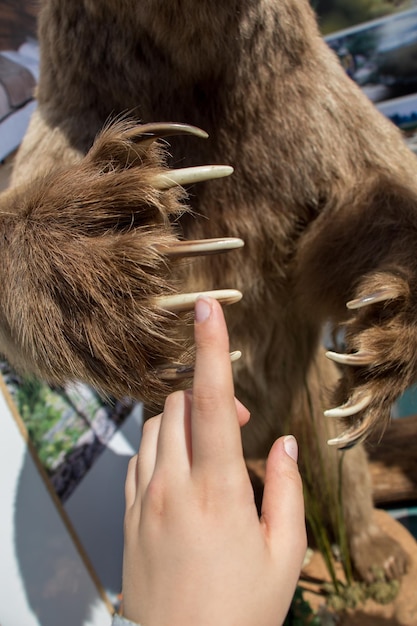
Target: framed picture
379,54
337,15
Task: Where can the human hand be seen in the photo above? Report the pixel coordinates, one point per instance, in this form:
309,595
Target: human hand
196,553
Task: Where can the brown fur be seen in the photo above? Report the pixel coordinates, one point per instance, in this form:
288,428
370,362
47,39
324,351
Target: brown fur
324,194
89,272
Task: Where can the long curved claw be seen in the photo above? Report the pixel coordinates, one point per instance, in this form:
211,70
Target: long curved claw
166,129
179,372
356,359
381,295
357,432
235,356
349,438
351,407
190,175
185,301
148,133
199,247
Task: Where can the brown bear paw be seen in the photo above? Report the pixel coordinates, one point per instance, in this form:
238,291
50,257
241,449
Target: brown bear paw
381,356
92,267
375,551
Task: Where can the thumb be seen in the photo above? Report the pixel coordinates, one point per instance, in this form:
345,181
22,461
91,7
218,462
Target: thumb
283,502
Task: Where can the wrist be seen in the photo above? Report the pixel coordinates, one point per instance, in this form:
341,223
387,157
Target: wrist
119,620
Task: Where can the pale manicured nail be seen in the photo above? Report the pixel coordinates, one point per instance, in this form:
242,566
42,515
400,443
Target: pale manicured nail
291,447
202,310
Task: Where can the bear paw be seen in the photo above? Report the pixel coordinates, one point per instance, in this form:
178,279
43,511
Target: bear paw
91,267
380,361
375,551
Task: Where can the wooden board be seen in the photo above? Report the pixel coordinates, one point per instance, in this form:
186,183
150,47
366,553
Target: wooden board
393,462
400,612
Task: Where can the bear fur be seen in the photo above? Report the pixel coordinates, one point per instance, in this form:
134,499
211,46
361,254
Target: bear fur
324,194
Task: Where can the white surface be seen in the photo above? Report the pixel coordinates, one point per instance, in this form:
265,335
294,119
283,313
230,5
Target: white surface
43,580
96,507
27,55
13,127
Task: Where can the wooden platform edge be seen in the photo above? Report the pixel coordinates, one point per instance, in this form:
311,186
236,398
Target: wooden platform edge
393,462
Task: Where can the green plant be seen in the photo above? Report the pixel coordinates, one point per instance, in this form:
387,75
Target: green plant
348,593
301,613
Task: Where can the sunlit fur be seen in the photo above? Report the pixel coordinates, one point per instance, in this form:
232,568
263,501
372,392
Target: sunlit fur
81,271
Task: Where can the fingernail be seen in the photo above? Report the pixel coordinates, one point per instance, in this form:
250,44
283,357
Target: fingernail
202,310
291,447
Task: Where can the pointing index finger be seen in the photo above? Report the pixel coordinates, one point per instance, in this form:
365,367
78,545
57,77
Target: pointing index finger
215,427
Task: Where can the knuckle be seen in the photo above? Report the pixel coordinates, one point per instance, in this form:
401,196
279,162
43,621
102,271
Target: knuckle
205,397
150,424
174,400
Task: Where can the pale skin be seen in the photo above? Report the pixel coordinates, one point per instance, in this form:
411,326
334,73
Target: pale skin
196,552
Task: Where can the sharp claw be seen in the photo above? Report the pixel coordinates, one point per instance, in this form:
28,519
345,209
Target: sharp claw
356,433
175,372
358,358
148,133
185,301
350,437
201,247
348,409
235,356
178,372
189,175
378,296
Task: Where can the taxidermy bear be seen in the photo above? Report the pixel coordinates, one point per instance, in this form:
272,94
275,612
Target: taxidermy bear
324,195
